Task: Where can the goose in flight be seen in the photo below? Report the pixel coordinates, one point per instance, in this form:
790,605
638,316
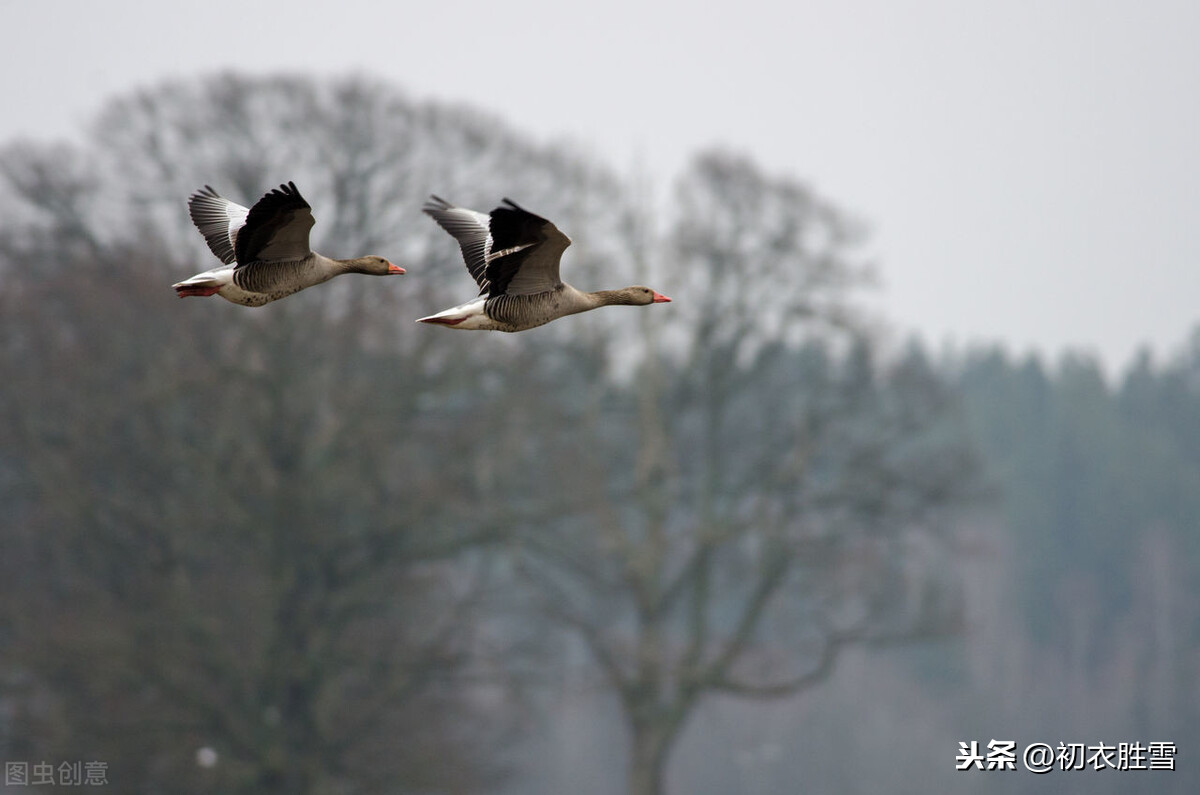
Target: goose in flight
514,255
264,248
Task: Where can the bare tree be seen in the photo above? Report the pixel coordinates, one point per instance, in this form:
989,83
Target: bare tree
272,533
763,493
245,530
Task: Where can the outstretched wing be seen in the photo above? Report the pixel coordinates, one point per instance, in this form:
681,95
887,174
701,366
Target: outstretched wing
511,251
528,251
471,231
218,219
276,228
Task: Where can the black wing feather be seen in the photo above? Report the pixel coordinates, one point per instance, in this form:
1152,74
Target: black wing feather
512,227
269,215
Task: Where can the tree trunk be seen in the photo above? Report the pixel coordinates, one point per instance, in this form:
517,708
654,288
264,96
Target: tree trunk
648,757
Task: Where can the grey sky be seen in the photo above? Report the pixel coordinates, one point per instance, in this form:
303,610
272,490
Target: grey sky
1030,170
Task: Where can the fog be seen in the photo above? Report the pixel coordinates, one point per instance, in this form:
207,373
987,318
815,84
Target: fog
894,473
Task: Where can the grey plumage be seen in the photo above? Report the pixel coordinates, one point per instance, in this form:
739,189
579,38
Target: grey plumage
514,256
216,217
265,248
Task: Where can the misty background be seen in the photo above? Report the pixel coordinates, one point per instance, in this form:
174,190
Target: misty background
912,459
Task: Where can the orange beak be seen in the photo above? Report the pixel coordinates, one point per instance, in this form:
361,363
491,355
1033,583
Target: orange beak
659,298
394,268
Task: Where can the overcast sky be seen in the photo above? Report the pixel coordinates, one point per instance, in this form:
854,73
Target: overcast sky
1030,170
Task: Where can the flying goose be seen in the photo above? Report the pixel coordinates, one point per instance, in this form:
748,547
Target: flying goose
265,249
513,256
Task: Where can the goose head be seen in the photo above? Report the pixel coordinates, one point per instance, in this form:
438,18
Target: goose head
372,266
638,295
